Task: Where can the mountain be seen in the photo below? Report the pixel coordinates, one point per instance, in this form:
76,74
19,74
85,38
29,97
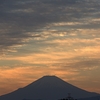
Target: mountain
47,88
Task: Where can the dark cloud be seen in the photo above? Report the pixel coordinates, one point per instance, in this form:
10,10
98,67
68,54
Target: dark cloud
18,17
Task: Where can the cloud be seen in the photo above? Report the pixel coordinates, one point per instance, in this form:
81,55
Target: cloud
18,18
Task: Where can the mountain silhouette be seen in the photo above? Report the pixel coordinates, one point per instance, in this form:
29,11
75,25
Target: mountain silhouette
47,88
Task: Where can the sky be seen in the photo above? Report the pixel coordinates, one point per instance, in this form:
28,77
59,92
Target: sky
49,37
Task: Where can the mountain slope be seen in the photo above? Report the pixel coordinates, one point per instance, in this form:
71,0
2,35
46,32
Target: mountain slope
47,88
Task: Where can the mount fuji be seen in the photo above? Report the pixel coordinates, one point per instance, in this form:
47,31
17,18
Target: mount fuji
47,88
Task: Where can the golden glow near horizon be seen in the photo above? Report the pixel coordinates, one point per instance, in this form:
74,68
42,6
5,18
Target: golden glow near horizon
59,38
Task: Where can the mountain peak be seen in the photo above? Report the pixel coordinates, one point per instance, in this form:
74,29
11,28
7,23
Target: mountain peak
47,81
49,76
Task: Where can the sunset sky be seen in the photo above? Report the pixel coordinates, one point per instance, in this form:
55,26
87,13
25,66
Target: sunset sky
49,37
